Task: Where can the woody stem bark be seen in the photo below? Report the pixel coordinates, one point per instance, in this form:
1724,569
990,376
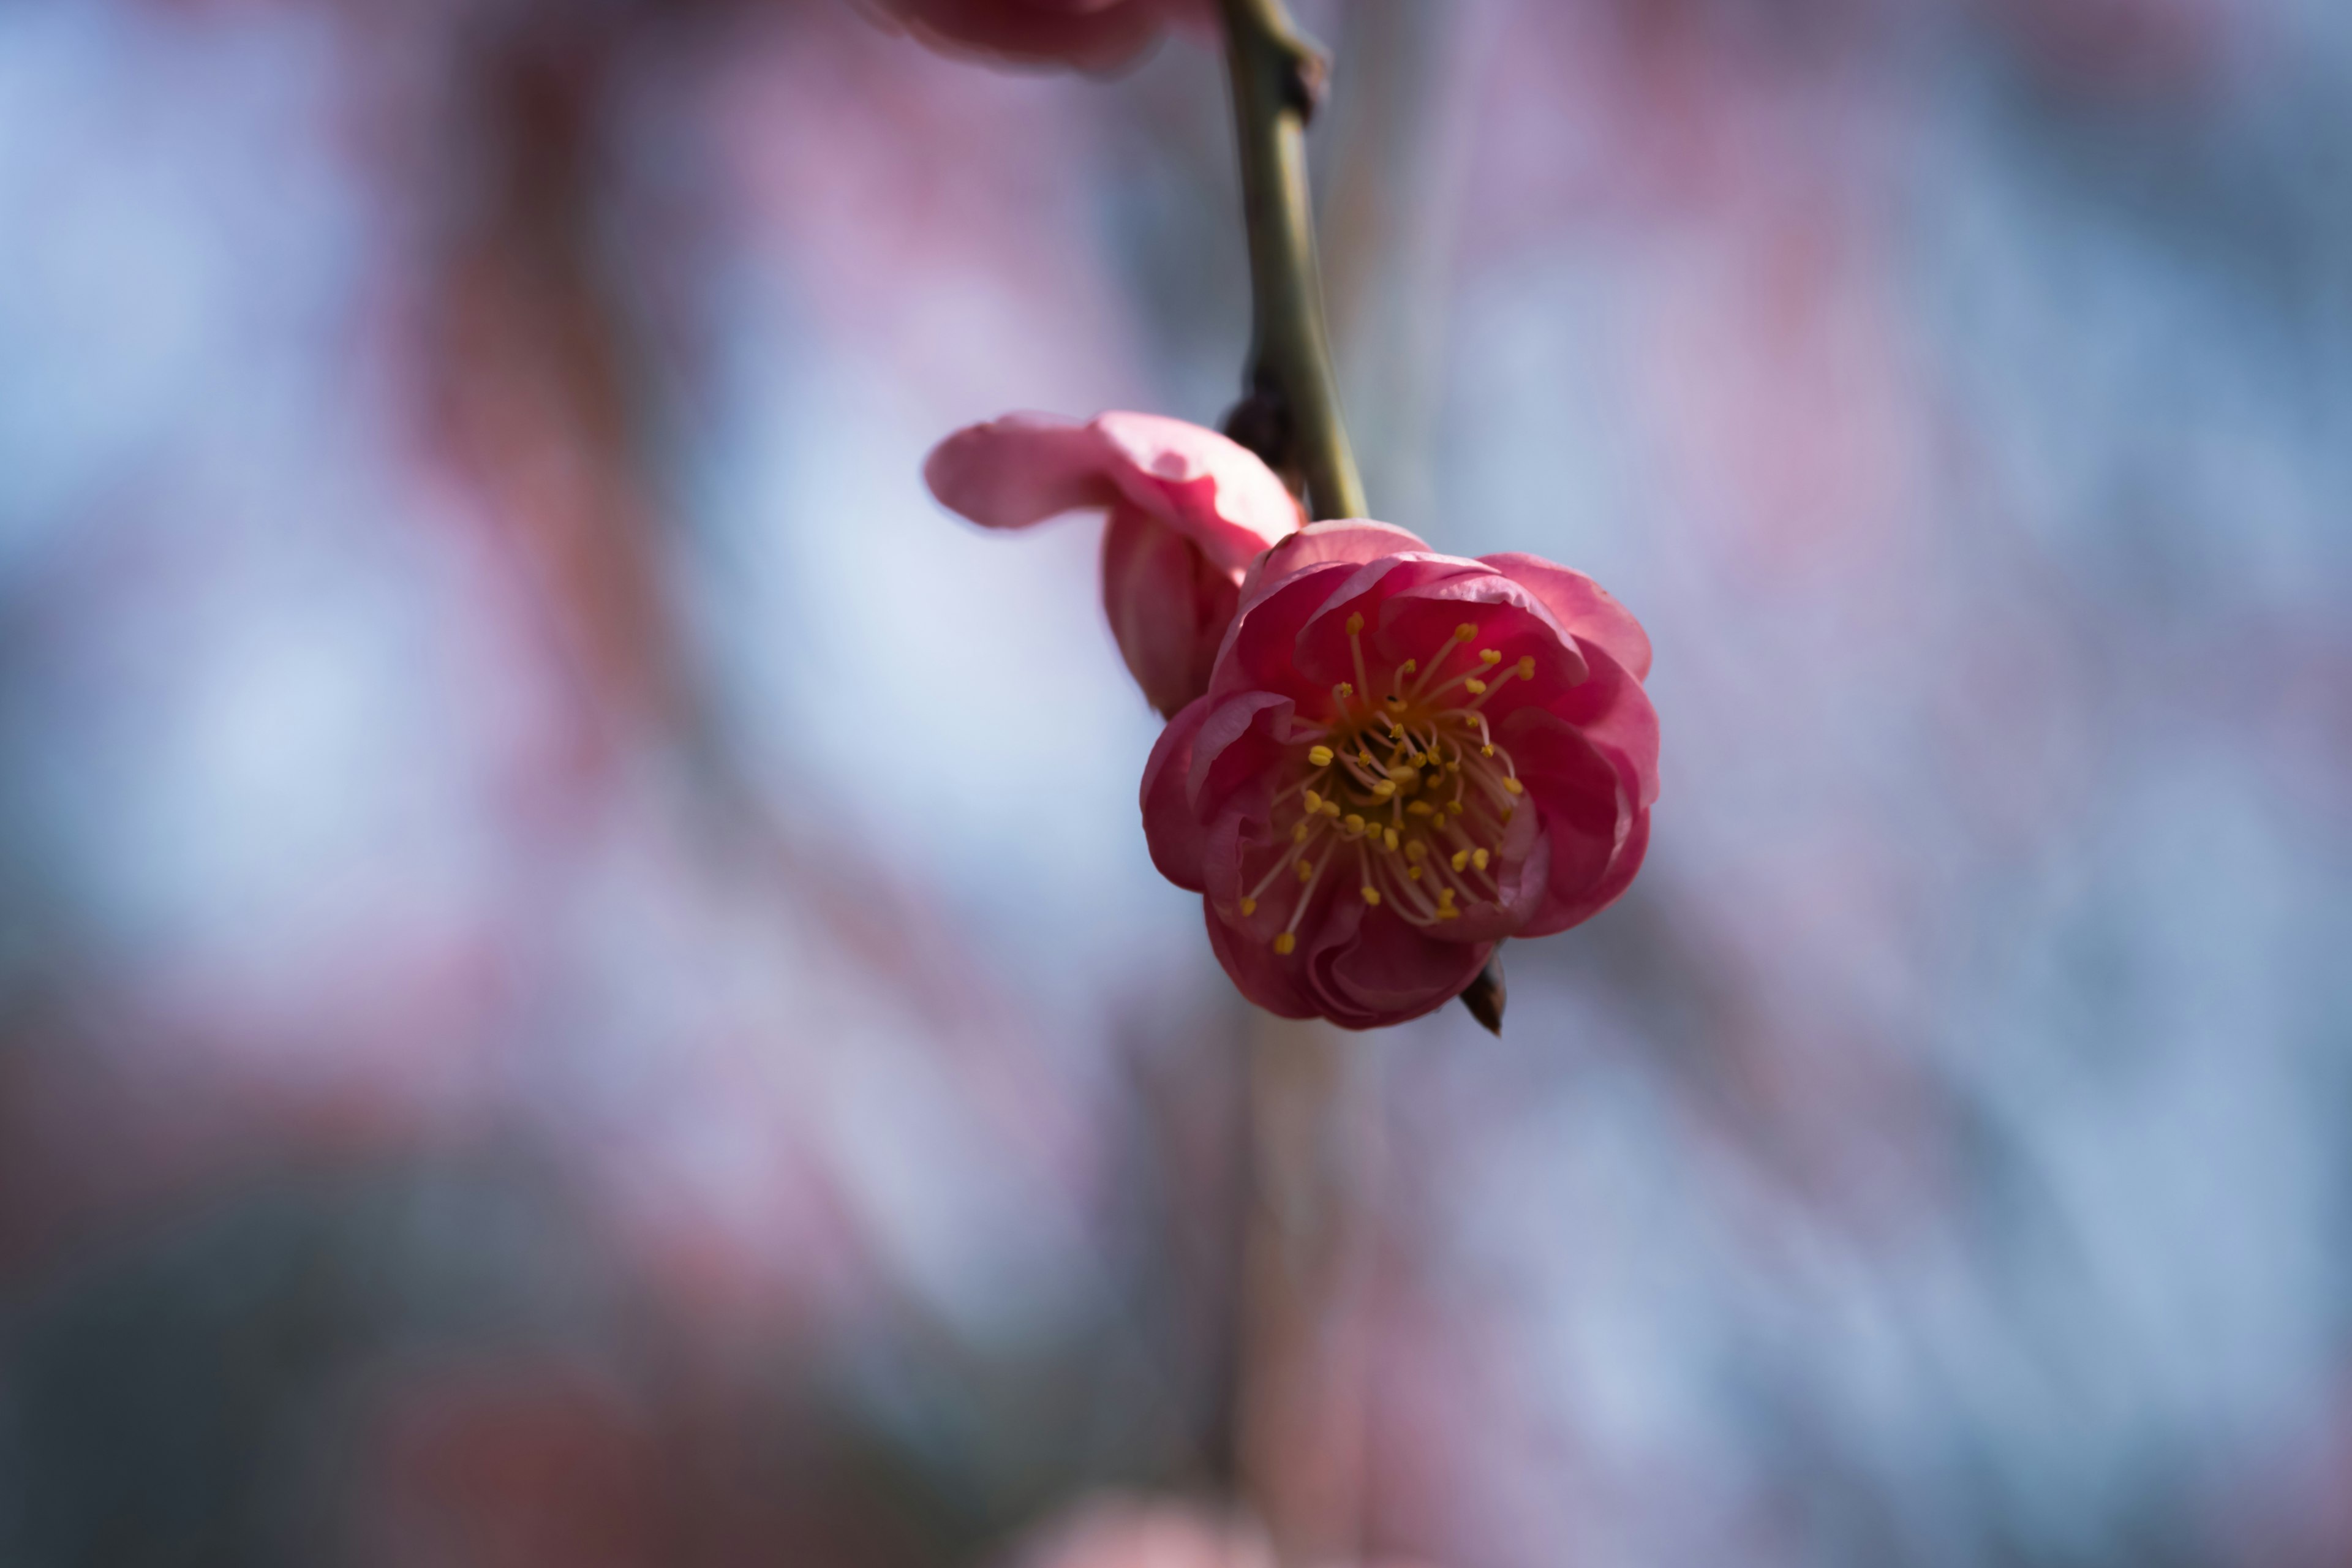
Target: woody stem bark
1277,75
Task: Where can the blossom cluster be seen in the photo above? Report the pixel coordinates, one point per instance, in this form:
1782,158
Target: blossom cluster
1379,761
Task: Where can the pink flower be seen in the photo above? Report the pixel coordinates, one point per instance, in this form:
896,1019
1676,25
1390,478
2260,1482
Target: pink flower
1091,35
1188,512
1401,759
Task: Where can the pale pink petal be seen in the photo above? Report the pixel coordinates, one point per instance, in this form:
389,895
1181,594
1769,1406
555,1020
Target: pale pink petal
1210,487
1026,467
1021,469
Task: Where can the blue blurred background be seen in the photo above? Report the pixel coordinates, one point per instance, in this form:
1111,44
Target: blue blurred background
578,981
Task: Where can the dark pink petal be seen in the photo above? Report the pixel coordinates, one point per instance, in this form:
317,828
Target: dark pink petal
1170,831
1257,653
1615,714
1582,607
1240,741
1596,829
1418,622
1258,972
1168,606
1026,467
1389,973
1350,542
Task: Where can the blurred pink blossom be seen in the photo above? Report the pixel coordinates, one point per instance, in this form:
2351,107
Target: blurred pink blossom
1091,35
1330,871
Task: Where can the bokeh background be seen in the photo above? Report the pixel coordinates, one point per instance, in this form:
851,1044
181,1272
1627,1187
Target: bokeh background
578,981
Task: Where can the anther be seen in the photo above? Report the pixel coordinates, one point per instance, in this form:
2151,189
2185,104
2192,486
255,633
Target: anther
1476,686
1464,632
1490,656
1249,908
1461,858
1384,789
1372,897
1413,873
1408,666
1454,806
1421,808
1314,801
1480,858
1416,850
1485,750
1515,787
1527,667
1304,871
1343,690
1353,823
1330,808
1389,836
1285,943
1355,625
1298,834
1321,757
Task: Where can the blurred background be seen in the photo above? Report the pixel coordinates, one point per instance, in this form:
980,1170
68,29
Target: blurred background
578,981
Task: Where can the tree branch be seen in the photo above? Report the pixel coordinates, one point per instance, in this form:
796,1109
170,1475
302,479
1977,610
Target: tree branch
1292,406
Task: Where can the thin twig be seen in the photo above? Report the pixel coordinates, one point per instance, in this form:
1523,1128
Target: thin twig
1277,75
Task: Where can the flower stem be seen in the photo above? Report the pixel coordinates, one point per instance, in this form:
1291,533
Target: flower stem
1277,75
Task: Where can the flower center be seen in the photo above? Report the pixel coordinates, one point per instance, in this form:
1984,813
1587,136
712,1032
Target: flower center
1404,790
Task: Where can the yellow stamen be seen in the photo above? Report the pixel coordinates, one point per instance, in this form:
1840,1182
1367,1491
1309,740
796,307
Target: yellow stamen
1485,750
1314,801
1353,823
1249,908
1454,806
1480,858
1421,808
1298,834
1321,757
1408,666
1413,872
1464,632
1448,912
1527,667
1490,656
1415,850
1330,808
1514,786
1461,858
1355,625
1285,943
1304,871
1384,789
1389,836
1474,687
1372,897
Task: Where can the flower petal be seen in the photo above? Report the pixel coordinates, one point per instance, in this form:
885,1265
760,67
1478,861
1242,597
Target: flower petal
1168,606
1026,467
1391,972
1583,608
1170,831
1351,540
